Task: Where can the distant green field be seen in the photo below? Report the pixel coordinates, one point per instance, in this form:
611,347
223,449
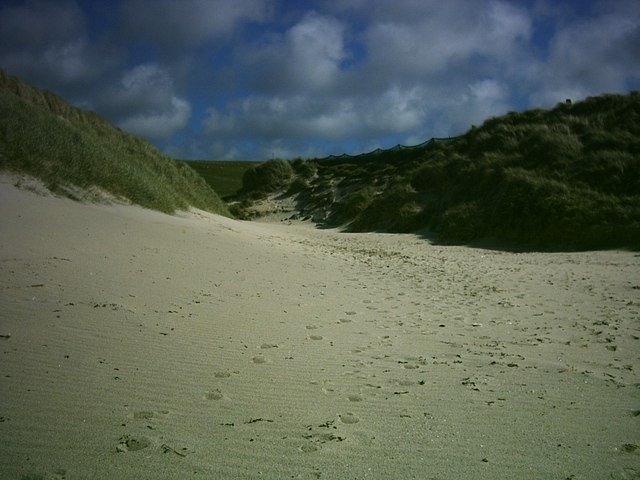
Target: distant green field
225,177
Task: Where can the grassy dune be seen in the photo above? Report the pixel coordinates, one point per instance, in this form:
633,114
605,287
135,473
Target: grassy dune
565,179
63,146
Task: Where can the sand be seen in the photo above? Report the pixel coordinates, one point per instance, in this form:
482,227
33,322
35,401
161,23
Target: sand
139,345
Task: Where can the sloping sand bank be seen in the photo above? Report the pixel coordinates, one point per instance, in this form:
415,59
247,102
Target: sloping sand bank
138,345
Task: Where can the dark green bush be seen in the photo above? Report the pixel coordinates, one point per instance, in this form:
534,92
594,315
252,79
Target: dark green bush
304,169
267,177
462,223
394,210
352,205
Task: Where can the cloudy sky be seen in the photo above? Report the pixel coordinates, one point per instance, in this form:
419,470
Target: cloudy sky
254,79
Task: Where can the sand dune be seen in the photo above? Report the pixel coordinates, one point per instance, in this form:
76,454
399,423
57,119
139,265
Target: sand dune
139,345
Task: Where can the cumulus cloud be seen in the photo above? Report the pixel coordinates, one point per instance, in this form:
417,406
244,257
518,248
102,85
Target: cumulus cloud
317,47
145,103
187,23
419,74
159,125
306,57
47,42
35,24
422,38
590,57
252,78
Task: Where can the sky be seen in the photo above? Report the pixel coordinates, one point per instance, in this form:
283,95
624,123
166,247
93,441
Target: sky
258,79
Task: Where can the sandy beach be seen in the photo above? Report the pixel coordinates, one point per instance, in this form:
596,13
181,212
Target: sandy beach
138,345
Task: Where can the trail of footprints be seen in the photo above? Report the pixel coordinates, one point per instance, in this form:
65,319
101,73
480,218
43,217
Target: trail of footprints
369,372
313,436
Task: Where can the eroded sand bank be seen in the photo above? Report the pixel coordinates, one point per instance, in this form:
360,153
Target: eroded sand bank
140,345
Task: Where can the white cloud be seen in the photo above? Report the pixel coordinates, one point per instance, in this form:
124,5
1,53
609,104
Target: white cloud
422,38
396,110
46,42
306,57
36,24
144,103
592,57
420,75
159,125
184,23
327,117
316,46
272,76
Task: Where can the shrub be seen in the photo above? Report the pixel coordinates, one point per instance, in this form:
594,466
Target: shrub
267,177
352,205
394,210
462,223
304,169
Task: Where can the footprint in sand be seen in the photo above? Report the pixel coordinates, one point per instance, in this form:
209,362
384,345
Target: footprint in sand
142,415
626,474
131,443
316,337
355,397
311,327
405,383
214,395
222,374
266,346
259,359
308,448
148,415
348,418
59,473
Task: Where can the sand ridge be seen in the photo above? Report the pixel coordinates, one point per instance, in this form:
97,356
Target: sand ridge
140,345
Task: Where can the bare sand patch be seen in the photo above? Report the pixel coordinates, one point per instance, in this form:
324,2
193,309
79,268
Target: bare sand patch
140,345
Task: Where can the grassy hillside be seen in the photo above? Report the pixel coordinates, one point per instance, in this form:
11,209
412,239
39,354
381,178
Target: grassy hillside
63,146
225,177
566,178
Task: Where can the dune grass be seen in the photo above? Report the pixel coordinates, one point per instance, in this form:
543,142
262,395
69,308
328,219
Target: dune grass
42,136
267,177
563,179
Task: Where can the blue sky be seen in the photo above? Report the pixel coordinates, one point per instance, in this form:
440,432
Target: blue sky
254,79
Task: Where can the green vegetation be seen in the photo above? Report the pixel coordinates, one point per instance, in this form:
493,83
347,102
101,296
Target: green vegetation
563,179
267,177
63,146
225,177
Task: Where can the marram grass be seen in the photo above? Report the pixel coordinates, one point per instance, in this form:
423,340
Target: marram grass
63,146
